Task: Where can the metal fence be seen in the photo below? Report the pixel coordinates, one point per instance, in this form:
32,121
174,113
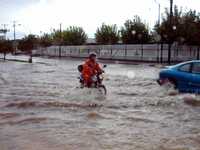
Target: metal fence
136,52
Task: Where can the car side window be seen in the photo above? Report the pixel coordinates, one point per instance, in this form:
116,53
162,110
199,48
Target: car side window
185,68
196,68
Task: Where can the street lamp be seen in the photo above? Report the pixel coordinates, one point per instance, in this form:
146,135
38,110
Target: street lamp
60,43
170,26
140,38
157,38
174,28
134,33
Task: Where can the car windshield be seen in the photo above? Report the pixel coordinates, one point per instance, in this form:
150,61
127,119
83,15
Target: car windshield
185,68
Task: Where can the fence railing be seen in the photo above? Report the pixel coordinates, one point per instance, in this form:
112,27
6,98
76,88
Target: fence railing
136,52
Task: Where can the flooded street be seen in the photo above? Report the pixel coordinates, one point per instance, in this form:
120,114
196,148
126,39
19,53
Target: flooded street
41,108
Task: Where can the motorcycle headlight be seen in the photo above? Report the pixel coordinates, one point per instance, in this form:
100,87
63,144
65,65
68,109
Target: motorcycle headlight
101,76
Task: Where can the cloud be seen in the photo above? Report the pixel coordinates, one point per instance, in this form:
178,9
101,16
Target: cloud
42,15
88,13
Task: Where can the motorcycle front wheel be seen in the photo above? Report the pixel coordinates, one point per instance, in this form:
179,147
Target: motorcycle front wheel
102,89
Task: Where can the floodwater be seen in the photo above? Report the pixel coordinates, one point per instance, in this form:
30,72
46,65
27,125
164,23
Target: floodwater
41,108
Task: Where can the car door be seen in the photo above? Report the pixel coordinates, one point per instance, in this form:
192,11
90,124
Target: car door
195,80
183,77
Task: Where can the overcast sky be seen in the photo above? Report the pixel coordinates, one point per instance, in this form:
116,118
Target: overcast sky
45,15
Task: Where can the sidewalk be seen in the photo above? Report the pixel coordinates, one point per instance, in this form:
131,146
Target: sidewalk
20,58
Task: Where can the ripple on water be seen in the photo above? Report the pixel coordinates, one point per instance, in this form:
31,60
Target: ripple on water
35,104
186,142
16,119
26,121
140,119
126,94
7,115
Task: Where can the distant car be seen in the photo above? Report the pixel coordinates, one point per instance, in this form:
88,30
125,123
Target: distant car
184,76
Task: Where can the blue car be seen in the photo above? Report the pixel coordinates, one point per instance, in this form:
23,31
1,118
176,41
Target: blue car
184,76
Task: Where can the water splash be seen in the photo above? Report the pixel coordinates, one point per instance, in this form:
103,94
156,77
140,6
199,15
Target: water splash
85,95
191,99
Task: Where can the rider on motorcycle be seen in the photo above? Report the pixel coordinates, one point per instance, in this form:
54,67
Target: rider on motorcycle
90,69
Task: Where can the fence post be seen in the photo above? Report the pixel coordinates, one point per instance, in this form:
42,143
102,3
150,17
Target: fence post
169,52
99,52
198,53
126,50
177,51
190,51
142,51
111,52
161,53
158,53
59,51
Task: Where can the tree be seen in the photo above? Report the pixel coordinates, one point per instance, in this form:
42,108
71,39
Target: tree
71,36
170,32
107,34
134,31
27,44
190,29
45,40
6,46
57,36
184,27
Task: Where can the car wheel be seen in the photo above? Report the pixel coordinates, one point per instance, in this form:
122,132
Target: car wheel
173,82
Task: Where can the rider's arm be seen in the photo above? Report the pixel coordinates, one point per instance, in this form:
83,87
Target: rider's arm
98,68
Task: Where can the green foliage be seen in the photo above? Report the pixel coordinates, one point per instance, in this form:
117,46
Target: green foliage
169,32
107,34
190,28
71,36
28,43
184,28
134,31
6,46
57,37
46,40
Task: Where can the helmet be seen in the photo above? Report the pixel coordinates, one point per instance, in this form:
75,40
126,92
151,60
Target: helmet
93,54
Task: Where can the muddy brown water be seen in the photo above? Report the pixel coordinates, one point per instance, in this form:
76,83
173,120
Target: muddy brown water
41,109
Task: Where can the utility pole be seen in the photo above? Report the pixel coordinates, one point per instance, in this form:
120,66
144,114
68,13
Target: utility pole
60,40
14,35
14,25
158,11
159,41
170,26
159,14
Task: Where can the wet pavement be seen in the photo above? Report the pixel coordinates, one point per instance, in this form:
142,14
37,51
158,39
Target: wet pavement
42,108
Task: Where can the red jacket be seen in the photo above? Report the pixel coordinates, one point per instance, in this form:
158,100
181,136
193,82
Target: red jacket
90,69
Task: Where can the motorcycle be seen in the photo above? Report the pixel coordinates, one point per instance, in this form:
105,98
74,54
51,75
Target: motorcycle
96,81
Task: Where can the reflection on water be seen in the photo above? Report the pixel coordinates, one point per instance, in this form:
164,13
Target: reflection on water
42,108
